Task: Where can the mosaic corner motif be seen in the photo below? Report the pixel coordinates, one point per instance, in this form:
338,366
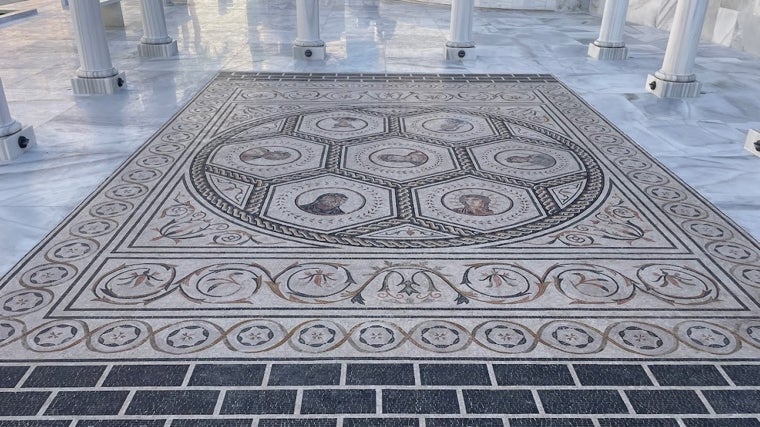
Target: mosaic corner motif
381,217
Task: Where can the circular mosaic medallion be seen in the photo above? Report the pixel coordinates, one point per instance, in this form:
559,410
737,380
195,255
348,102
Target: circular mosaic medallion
363,177
48,275
708,337
119,336
642,338
10,330
24,301
187,337
56,335
572,337
376,337
317,336
504,337
255,336
440,336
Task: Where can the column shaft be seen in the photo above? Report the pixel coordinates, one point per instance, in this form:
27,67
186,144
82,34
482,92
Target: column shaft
460,30
610,44
307,23
155,41
308,44
154,22
14,138
94,57
7,124
678,64
459,45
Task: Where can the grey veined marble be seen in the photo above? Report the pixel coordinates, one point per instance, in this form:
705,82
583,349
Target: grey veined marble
81,140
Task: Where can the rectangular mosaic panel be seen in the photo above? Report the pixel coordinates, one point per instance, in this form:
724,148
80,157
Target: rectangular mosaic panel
384,216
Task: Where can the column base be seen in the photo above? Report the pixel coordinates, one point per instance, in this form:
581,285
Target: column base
607,53
110,10
311,53
15,144
459,53
753,142
104,86
164,50
671,89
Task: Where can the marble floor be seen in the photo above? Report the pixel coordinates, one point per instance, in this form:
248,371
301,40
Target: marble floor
83,140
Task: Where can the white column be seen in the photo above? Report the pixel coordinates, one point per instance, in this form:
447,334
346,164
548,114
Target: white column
610,44
459,45
155,41
752,144
14,138
308,45
676,78
96,74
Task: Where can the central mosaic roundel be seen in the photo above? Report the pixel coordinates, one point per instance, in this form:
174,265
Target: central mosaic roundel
383,177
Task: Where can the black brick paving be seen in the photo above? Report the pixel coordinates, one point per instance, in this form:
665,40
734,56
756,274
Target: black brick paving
64,376
338,402
227,375
259,402
380,374
499,402
182,402
533,375
11,375
315,394
687,375
666,402
146,375
619,375
582,402
454,374
87,403
320,374
420,402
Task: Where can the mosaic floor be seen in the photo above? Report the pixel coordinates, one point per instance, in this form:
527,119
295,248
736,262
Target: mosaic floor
479,246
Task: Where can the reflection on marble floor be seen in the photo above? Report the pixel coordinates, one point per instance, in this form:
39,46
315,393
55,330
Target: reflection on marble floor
82,140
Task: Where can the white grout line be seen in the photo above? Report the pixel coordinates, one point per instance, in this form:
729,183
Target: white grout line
626,401
680,422
650,374
188,374
537,399
127,401
47,403
379,401
595,422
725,375
299,400
26,376
491,374
343,373
423,422
707,404
267,372
574,374
460,401
104,376
219,402
417,376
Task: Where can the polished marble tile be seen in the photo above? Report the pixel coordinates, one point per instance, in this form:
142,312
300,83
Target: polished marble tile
81,140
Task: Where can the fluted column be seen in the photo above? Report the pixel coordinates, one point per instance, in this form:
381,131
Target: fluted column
14,138
308,44
96,74
676,78
610,44
155,41
459,45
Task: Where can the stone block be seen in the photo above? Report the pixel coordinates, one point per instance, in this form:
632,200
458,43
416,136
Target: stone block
15,144
464,54
310,53
607,53
96,86
671,89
